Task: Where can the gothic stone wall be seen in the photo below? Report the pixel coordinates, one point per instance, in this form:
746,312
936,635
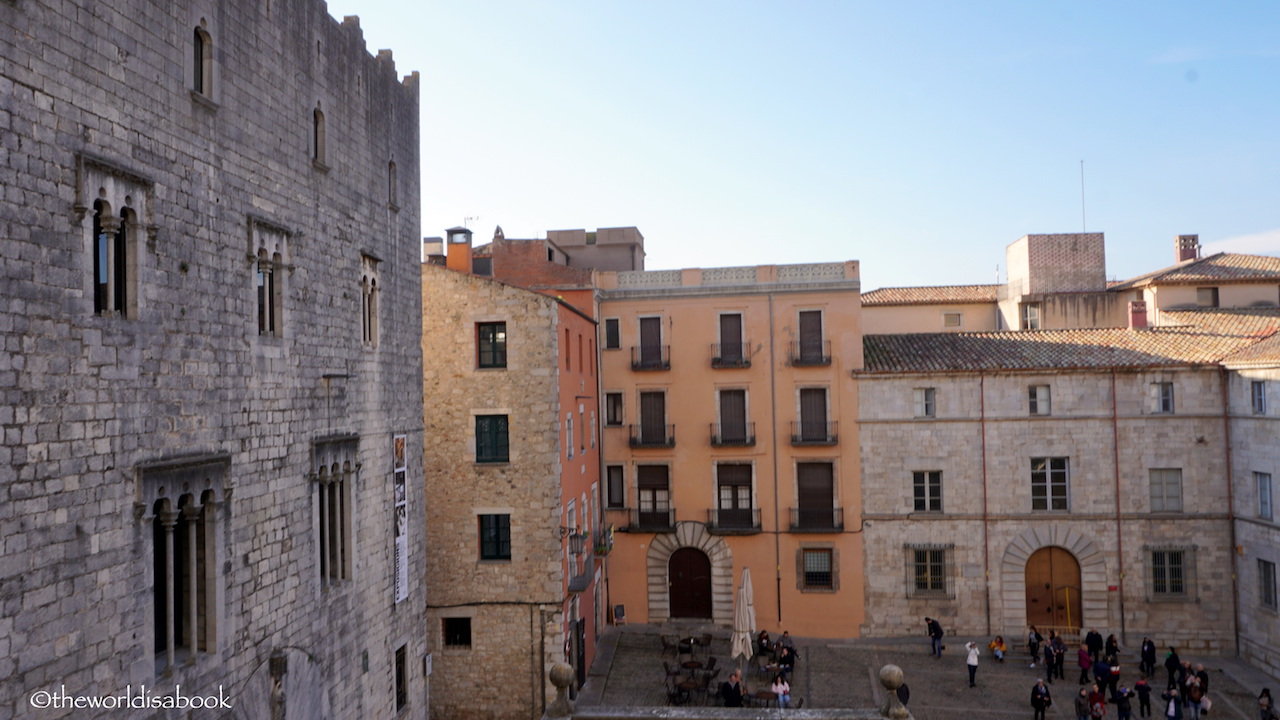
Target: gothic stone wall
96,102
514,605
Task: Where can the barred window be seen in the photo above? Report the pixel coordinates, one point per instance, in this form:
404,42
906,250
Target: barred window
1170,573
1267,584
929,570
817,568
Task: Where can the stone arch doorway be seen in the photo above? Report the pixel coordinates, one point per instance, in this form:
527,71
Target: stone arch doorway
658,562
1053,589
689,583
1012,592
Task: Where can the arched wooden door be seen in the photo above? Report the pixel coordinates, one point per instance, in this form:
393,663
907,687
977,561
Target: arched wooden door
689,573
1053,589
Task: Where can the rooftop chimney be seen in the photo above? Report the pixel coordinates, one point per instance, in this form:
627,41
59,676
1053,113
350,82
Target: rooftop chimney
1187,247
459,257
1137,314
433,250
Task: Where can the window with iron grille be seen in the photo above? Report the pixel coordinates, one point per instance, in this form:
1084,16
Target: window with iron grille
1170,573
818,569
491,339
1050,482
457,632
491,439
927,490
929,570
1166,490
495,537
1267,584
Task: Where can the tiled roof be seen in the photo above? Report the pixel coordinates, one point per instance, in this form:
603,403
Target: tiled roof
1201,337
945,294
1222,267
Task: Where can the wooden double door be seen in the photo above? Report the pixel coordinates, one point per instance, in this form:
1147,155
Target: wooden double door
1053,590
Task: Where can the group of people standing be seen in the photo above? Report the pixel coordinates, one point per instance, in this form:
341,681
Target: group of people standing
1185,697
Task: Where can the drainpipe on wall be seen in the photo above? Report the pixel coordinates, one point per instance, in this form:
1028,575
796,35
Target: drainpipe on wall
773,424
1115,453
1231,510
986,544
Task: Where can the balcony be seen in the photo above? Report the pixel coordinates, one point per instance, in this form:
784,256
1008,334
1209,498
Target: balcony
733,434
653,436
650,357
809,354
817,521
730,355
814,433
653,520
603,543
580,582
733,521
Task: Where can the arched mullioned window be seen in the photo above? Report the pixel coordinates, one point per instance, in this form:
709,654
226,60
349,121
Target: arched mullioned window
110,259
369,290
202,65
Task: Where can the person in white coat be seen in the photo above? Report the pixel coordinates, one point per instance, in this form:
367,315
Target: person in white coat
972,662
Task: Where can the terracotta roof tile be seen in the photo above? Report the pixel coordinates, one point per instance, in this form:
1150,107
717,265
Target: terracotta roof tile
944,294
1201,337
1222,267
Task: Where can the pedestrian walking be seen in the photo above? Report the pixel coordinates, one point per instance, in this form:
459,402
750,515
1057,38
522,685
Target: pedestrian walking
972,661
1040,700
1195,696
1112,647
1147,655
1085,662
1266,707
1082,704
1049,662
1059,656
1124,705
1172,663
1093,640
1034,638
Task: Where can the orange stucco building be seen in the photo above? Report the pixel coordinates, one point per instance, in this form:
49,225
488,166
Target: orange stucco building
721,391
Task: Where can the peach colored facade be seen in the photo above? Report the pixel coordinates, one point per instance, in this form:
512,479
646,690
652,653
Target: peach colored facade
721,391
940,317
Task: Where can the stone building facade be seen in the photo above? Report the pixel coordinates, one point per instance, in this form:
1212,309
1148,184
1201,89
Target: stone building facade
1061,478
512,477
209,213
730,442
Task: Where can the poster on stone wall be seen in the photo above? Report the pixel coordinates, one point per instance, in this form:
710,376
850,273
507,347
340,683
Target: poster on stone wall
400,510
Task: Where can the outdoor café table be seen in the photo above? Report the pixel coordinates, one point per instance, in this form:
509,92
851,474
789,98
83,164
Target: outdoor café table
765,697
687,687
691,665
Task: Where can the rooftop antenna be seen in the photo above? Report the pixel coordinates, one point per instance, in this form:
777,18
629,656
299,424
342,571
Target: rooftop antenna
1084,227
466,221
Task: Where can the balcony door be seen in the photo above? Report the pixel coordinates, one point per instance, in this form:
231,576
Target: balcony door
813,414
811,336
815,495
733,416
731,351
653,418
651,341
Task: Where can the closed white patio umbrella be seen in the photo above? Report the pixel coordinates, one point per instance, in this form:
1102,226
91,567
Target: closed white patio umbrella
744,617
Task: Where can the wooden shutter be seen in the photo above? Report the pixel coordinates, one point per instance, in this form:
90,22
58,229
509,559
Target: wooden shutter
730,337
813,413
733,415
653,415
815,486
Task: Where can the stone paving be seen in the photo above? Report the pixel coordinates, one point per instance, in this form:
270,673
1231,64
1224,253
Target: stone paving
842,674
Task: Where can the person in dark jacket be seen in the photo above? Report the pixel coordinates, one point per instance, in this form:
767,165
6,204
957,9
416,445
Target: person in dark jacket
1112,646
935,636
731,691
1093,640
1143,688
1172,663
1147,663
1172,704
1082,704
1124,705
1040,699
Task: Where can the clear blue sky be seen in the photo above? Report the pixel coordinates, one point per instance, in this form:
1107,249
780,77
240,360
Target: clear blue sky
919,138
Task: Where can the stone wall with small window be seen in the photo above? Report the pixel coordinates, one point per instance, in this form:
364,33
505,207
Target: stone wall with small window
151,153
493,473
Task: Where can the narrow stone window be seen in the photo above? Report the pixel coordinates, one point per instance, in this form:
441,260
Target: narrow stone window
202,57
318,138
402,678
393,189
